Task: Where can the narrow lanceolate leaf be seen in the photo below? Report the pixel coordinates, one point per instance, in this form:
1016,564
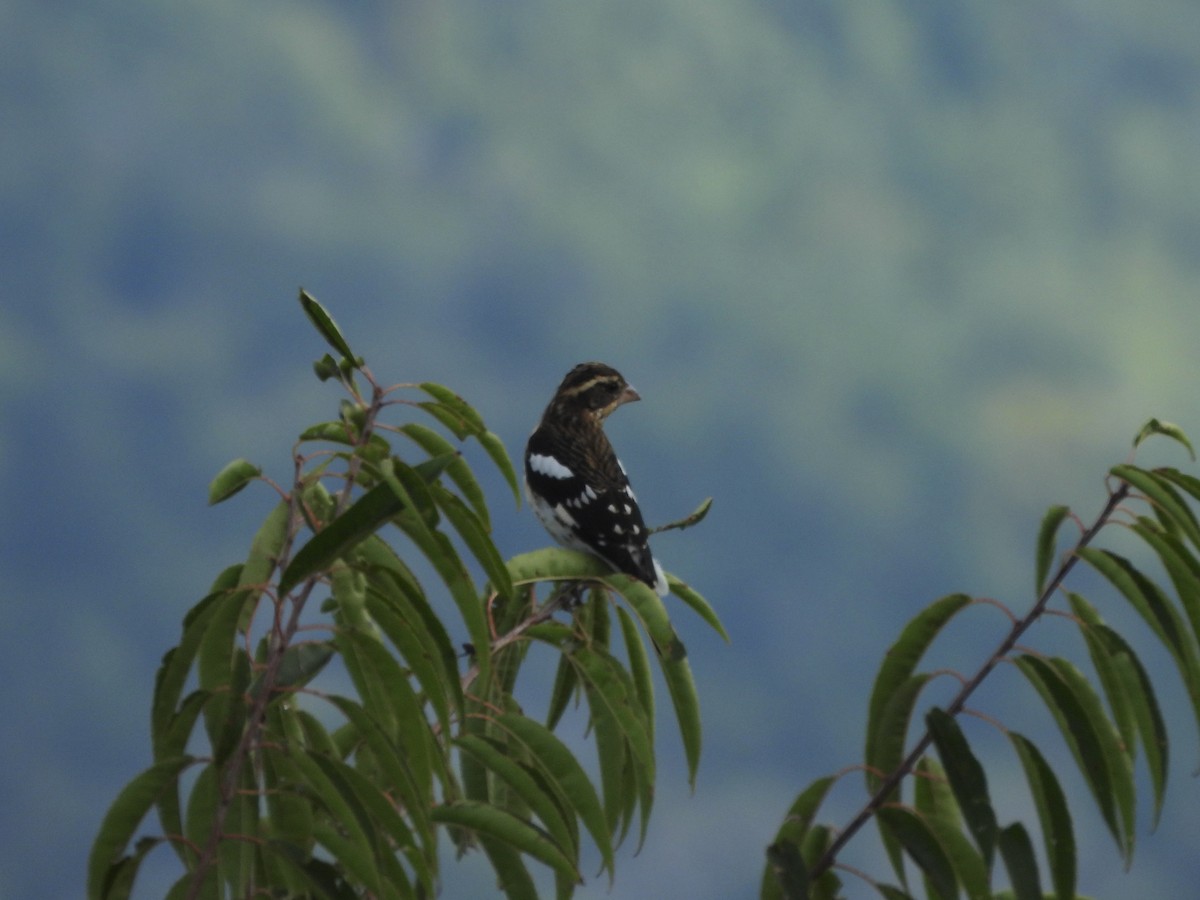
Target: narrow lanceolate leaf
177,663
922,846
935,803
967,781
786,874
1167,429
1130,694
449,404
496,758
231,479
564,773
682,688
611,694
508,828
1158,612
560,564
457,470
300,664
1181,565
475,536
494,448
1092,740
639,665
698,604
1053,815
899,663
325,325
885,753
1046,544
1017,852
122,820
438,549
1164,497
789,867
565,684
368,513
350,842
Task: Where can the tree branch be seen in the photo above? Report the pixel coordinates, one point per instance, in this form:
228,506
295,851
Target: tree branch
956,705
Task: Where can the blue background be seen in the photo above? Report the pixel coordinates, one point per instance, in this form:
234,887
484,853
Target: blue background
891,277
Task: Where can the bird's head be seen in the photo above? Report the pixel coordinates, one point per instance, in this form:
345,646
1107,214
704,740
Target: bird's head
595,389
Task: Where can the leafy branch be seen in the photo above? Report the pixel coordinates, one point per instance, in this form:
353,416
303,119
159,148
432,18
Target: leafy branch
310,789
949,830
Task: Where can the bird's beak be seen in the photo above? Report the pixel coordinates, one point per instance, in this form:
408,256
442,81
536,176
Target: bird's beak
628,395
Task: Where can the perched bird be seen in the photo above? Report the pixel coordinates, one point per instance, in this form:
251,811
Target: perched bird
576,484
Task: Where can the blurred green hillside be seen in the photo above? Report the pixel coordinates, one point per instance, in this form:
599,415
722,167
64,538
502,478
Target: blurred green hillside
891,277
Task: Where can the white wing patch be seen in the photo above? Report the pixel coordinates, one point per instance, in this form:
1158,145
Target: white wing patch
549,466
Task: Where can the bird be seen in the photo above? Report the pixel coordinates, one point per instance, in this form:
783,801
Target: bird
575,483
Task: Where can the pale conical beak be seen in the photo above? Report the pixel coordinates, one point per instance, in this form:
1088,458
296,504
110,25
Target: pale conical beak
629,395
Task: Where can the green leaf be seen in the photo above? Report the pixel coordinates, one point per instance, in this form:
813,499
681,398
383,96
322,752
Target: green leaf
1157,611
512,877
1130,694
389,699
458,470
1166,429
1163,496
438,549
494,448
1046,545
967,781
786,875
300,664
1092,739
373,509
1053,814
922,845
177,663
218,666
894,675
565,684
325,326
469,421
936,805
349,841
887,752
934,802
375,449
1017,852
695,517
495,757
611,693
1181,565
639,664
105,862
786,870
231,479
563,771
124,872
474,535
421,651
680,685
560,564
698,604
506,827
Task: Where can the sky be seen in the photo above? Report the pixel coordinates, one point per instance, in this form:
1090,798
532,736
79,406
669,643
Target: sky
891,280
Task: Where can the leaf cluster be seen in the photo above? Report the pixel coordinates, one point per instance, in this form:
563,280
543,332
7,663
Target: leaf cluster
930,800
317,732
